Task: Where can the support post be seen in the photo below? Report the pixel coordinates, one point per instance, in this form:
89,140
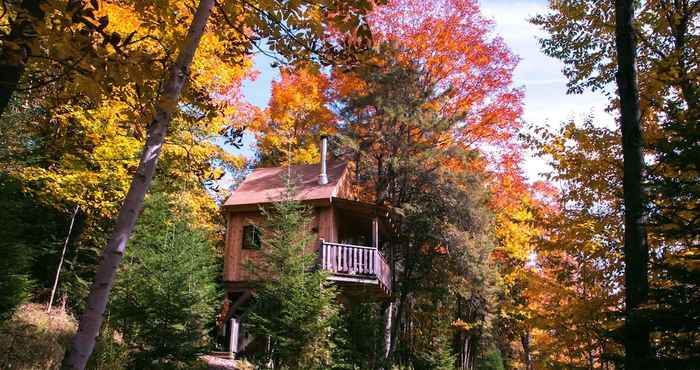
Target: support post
233,340
375,232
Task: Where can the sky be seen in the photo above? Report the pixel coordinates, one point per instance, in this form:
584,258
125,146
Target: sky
545,102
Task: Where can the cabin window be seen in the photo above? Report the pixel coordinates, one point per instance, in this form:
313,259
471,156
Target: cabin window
251,237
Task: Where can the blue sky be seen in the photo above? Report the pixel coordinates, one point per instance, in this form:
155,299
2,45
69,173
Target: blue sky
545,103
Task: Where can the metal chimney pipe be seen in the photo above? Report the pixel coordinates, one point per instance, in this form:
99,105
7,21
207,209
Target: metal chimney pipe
323,177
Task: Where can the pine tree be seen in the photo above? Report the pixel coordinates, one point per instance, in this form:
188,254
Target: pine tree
293,306
28,233
15,282
165,298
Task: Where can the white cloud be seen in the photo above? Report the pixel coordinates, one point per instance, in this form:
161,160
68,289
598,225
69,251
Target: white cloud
546,101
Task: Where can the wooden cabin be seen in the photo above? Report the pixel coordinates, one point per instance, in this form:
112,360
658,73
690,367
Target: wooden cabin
346,236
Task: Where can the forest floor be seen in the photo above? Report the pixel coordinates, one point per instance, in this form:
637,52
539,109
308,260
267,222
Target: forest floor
35,340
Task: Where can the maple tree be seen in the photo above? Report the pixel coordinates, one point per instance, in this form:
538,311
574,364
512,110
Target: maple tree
455,48
578,280
13,54
516,231
580,265
297,115
70,37
451,46
88,125
582,34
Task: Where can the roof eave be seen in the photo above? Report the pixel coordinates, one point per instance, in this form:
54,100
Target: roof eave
235,208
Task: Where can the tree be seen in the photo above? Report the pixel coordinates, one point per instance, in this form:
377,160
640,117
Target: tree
408,160
452,44
637,346
28,230
165,298
451,48
76,140
17,45
583,34
62,34
579,258
575,289
296,118
286,36
91,320
454,47
16,283
294,305
673,227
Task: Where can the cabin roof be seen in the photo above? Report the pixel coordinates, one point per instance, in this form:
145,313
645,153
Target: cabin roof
266,185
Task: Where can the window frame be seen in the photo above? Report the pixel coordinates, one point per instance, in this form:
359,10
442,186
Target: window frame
256,243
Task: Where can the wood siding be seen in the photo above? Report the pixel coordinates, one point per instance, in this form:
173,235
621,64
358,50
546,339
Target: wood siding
327,229
235,257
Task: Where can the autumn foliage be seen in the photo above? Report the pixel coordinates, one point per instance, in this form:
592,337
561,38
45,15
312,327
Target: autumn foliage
457,51
468,73
420,96
298,113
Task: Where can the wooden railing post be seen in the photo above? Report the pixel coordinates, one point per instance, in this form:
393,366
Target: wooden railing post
377,267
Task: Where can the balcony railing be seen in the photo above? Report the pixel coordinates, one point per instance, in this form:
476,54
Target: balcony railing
359,263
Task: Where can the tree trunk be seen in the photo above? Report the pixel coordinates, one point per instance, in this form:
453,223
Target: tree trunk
387,313
60,262
636,250
13,61
466,349
527,354
396,323
89,326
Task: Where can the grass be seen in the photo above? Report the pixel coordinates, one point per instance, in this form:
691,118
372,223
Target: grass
33,339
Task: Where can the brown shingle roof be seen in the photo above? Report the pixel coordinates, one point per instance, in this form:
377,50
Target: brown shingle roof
265,185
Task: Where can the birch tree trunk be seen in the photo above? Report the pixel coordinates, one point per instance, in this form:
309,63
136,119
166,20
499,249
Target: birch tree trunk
83,342
60,262
387,313
636,250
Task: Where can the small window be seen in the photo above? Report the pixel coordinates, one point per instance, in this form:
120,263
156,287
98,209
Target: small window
251,237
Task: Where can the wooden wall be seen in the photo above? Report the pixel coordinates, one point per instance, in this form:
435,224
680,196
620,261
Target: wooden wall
235,257
327,229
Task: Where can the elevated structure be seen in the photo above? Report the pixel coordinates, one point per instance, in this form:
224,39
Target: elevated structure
346,236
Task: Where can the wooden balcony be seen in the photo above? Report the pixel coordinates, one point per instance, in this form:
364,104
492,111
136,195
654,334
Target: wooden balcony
356,266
